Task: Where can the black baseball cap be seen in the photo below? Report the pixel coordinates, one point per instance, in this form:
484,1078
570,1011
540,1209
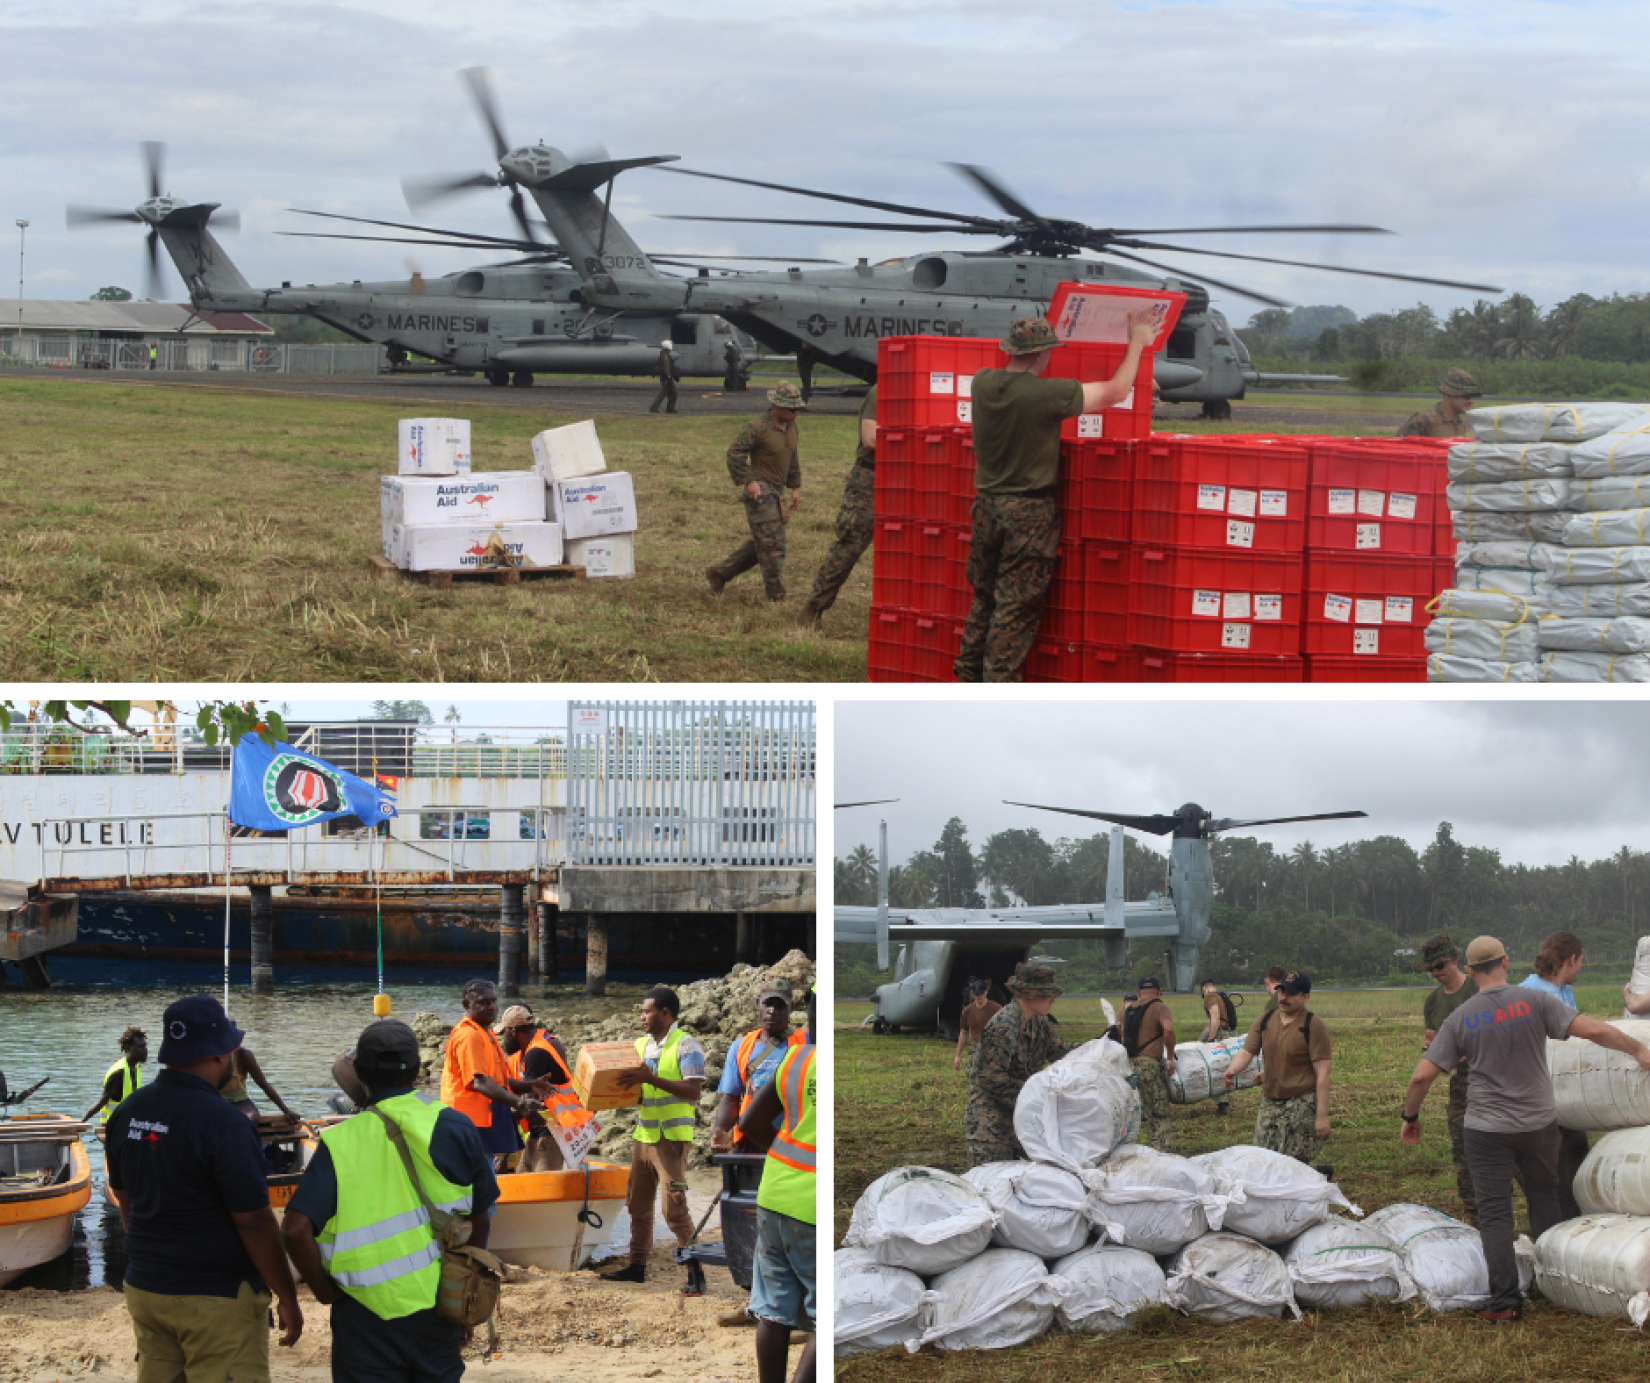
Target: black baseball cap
1295,983
1150,982
197,1028
386,1048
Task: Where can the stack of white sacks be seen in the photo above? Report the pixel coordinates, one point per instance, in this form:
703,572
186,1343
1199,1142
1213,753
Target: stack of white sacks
1552,577
1095,1230
441,515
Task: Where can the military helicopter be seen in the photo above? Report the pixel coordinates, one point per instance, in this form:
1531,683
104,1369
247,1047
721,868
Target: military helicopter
994,940
505,321
839,315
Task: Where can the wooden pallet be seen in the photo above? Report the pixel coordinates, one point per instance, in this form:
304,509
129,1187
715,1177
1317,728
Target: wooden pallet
497,576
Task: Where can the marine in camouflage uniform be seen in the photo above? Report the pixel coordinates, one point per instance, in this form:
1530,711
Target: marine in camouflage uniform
1446,418
1015,1045
1436,953
1286,1126
855,521
1155,1128
763,462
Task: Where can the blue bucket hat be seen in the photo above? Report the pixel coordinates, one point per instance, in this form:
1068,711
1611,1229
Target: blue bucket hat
196,1028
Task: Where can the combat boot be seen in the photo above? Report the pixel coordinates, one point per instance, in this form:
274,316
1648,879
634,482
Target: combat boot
808,617
716,579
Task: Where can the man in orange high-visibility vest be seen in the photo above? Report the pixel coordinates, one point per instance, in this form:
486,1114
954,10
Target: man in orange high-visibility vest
476,1081
750,1065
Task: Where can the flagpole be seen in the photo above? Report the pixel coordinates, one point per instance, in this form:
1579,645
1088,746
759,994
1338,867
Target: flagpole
226,833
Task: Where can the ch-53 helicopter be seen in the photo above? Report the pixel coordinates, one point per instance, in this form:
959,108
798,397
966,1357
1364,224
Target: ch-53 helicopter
505,321
993,940
839,315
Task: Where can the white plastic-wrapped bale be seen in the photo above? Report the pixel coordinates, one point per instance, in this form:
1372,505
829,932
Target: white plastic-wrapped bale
1000,1299
1593,667
876,1305
1597,566
1444,1257
1596,602
1444,667
1495,606
1639,981
1336,1263
1615,1177
1154,1200
1481,638
1077,1112
1521,554
921,1219
1622,451
1526,583
1552,422
1039,1208
1226,1277
1198,1067
1597,1088
1510,496
1611,492
1281,1197
1598,1265
1106,1287
1488,463
1580,634
1470,527
1608,528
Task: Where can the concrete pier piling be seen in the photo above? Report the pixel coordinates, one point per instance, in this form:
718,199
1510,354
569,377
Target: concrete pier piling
595,953
547,941
263,938
509,941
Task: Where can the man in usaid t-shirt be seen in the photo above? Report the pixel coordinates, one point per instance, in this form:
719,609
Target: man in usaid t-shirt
1511,1118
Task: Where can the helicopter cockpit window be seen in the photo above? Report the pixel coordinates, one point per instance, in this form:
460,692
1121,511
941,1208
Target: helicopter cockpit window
929,273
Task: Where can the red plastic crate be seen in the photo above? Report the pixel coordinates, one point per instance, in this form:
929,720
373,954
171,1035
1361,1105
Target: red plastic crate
1097,490
1323,668
1366,605
893,570
936,474
909,646
1093,363
937,577
896,475
1374,494
1212,492
1064,612
1196,600
1106,575
922,380
1055,660
885,644
1110,663
1161,665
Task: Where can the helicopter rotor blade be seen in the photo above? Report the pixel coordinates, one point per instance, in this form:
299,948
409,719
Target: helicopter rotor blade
695,262
903,210
91,216
420,192
226,220
504,241
1152,825
480,82
838,225
1250,230
1227,824
152,275
874,802
1266,298
544,252
154,159
518,209
1302,264
987,182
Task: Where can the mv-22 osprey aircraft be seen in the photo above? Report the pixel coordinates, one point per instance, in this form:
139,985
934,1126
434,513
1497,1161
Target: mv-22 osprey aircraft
991,941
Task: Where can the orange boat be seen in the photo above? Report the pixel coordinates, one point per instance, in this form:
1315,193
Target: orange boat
45,1179
536,1221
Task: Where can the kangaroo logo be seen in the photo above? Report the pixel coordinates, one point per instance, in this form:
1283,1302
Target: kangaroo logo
482,500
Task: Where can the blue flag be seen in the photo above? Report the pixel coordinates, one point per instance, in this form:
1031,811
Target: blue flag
283,788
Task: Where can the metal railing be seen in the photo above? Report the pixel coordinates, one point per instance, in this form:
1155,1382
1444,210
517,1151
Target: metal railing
69,351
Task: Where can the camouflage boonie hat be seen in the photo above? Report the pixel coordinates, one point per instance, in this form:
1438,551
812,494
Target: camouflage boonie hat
1028,336
1034,982
1437,950
1459,384
787,395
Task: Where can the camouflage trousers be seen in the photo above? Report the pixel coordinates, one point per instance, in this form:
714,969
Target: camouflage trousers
1223,1096
766,546
989,1129
1155,1129
1457,1115
1285,1126
1010,564
854,525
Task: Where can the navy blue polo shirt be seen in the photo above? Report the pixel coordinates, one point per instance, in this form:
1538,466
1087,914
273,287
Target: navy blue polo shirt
455,1149
186,1160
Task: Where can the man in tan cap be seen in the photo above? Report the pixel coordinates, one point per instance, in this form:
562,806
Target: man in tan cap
1446,418
1511,1122
1016,523
764,464
1015,1045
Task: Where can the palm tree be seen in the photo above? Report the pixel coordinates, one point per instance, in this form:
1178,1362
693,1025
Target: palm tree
1305,859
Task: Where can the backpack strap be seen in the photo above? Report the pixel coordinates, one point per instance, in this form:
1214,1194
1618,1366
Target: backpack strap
440,1220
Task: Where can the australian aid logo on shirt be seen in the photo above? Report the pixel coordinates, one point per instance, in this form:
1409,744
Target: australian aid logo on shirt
283,788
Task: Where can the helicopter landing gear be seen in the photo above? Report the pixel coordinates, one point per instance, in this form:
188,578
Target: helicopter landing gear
1217,410
879,1027
522,379
498,378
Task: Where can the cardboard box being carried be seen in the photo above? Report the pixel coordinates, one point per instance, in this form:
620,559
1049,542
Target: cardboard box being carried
594,508
486,496
434,446
566,453
459,546
614,555
598,1065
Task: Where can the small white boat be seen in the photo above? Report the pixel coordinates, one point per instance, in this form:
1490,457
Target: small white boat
536,1222
45,1179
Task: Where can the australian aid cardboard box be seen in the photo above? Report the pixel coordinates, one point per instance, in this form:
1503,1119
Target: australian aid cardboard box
434,446
596,506
614,555
493,496
459,546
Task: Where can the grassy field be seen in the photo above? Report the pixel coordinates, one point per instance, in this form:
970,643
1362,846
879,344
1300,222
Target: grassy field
899,1103
224,536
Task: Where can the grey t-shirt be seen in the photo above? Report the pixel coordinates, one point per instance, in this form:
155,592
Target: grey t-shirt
1502,1033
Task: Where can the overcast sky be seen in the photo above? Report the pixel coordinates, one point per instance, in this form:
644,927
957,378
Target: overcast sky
1504,141
1538,781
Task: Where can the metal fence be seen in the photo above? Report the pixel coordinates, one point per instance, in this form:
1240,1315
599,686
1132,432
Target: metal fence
71,352
691,782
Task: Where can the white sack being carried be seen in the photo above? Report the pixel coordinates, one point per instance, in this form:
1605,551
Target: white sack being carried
1598,1265
1336,1263
1039,1208
1224,1278
1444,667
1519,553
1639,981
876,1306
1631,598
1596,566
1623,451
1471,527
1154,1200
1491,462
1615,1177
1080,1110
921,1219
1608,528
1477,638
1552,422
1444,1257
1106,1287
1510,496
1629,634
1596,1088
1495,606
1611,492
1281,1197
1528,585
1593,667
1198,1067
1000,1299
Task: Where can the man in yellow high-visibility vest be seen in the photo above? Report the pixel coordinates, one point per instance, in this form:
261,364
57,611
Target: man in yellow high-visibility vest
671,1077
121,1079
358,1229
784,1268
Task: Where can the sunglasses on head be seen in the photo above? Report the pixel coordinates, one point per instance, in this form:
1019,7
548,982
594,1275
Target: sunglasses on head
1439,966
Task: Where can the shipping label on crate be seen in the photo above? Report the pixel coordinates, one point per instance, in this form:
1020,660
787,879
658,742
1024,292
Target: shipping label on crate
965,411
1091,425
1400,609
1369,535
1343,502
1366,641
1337,608
942,382
1274,504
965,386
1400,506
1212,497
1241,502
1239,533
1206,603
1269,607
1367,611
1236,605
1372,502
1234,636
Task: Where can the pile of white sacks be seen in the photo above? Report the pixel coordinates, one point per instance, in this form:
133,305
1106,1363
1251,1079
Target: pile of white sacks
1096,1230
1551,510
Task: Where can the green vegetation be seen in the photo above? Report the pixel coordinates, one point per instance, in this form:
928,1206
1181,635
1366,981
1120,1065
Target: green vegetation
899,1103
